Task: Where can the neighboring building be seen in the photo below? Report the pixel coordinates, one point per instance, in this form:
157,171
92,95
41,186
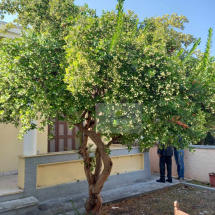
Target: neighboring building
13,33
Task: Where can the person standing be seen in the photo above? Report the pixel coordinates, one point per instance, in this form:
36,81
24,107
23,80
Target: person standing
165,156
179,160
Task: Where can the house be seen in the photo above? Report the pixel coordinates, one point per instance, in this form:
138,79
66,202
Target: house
51,169
11,147
9,144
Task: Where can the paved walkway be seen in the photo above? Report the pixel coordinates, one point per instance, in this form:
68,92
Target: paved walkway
113,195
9,185
120,193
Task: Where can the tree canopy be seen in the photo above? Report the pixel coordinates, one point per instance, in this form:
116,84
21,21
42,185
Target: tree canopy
69,59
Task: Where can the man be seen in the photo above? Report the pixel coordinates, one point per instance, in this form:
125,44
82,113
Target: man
179,159
165,155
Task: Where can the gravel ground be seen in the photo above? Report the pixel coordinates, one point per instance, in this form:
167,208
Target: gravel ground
191,200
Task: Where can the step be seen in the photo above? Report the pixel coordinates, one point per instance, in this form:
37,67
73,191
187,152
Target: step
9,189
61,205
9,195
24,206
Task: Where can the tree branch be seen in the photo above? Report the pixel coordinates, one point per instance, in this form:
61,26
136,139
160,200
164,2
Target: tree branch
83,114
88,123
114,139
83,151
96,189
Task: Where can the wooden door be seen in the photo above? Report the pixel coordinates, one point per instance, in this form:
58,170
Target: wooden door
64,138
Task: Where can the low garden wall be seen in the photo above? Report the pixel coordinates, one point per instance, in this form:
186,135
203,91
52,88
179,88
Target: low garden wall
61,174
197,165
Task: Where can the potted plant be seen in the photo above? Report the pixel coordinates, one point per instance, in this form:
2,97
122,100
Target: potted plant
212,179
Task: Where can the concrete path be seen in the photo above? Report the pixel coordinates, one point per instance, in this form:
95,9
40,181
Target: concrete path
121,193
9,185
66,207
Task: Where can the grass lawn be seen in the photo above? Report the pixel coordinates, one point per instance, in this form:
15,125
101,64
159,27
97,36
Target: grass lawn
199,183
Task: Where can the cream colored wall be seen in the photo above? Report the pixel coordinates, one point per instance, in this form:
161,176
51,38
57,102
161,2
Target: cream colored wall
59,173
197,165
64,172
21,175
11,147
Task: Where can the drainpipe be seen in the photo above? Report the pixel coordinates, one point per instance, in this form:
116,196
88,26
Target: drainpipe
30,142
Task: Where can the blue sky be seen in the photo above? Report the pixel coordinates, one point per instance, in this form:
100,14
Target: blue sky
200,13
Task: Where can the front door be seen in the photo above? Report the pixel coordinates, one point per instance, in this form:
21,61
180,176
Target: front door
64,138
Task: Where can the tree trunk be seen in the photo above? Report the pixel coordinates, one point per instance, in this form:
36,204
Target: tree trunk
93,204
96,181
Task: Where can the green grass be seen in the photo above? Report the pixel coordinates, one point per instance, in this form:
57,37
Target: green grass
199,183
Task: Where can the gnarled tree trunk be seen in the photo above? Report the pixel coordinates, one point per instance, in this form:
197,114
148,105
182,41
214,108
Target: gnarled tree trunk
93,204
96,181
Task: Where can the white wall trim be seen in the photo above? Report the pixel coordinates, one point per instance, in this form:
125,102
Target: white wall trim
202,146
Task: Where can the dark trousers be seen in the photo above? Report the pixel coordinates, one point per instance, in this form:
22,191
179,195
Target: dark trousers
168,161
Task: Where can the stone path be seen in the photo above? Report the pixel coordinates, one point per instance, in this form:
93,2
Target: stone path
9,185
66,206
